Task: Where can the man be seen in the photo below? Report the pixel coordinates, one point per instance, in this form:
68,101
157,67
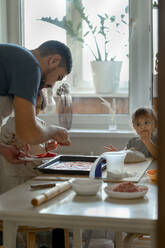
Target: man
22,73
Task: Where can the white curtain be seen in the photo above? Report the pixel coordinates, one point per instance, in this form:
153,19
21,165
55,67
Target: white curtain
3,21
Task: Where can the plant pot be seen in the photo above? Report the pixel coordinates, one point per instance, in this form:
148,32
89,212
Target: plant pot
106,76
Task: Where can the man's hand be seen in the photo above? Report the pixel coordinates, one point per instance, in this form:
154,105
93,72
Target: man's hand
62,137
10,153
51,145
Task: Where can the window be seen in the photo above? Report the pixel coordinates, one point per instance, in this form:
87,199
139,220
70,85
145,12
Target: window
131,43
37,31
155,50
155,32
115,18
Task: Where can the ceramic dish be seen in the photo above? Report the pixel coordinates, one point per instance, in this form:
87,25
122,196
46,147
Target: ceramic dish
86,186
126,195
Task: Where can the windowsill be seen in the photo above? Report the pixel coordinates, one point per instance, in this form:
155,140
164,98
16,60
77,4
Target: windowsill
88,93
95,128
101,133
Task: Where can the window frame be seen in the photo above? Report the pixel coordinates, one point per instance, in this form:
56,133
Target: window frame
3,22
140,61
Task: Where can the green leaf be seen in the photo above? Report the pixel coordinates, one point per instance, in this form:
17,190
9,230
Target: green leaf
123,21
112,18
64,24
79,26
127,10
95,28
61,24
103,28
86,33
113,58
102,18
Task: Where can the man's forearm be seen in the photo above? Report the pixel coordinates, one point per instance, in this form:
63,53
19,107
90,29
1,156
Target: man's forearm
38,134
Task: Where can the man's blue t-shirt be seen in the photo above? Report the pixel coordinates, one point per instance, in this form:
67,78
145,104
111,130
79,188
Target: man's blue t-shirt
20,72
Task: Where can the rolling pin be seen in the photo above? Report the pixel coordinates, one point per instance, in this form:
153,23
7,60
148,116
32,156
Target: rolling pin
51,193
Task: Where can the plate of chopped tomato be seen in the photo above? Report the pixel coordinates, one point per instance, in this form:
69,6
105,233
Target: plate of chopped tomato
38,157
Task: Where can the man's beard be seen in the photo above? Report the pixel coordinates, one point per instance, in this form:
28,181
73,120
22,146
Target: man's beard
42,84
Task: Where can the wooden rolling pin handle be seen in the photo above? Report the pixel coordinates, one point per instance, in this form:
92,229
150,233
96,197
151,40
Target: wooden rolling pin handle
40,199
49,194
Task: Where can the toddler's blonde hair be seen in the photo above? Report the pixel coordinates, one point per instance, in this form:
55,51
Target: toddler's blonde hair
143,111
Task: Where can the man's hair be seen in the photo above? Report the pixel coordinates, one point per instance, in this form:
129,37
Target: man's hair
56,47
143,111
43,99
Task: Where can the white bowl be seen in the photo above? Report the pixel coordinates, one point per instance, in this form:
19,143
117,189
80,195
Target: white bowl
86,186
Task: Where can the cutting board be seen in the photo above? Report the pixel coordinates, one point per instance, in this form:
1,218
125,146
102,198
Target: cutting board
136,171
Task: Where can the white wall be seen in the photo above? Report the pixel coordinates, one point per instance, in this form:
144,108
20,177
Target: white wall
91,146
91,142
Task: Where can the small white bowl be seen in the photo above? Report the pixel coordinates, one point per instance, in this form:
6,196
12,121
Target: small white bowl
86,186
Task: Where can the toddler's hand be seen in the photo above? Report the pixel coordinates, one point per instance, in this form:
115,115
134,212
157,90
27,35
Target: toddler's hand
145,136
111,148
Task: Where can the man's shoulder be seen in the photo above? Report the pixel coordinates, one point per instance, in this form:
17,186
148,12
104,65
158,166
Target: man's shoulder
14,52
9,48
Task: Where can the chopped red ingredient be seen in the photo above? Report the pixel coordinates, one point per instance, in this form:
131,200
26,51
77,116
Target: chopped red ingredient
47,154
152,172
126,187
55,145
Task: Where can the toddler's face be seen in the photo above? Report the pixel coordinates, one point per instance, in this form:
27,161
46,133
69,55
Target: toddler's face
144,125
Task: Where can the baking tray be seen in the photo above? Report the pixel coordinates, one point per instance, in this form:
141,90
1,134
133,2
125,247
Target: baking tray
50,166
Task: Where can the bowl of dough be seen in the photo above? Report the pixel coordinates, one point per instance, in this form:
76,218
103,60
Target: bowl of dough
86,186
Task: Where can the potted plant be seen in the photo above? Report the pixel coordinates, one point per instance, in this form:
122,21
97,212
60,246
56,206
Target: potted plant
106,70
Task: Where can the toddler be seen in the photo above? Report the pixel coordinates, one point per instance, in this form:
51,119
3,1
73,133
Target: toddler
144,121
15,174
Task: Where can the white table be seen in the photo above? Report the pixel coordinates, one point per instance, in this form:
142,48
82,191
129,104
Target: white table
69,210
